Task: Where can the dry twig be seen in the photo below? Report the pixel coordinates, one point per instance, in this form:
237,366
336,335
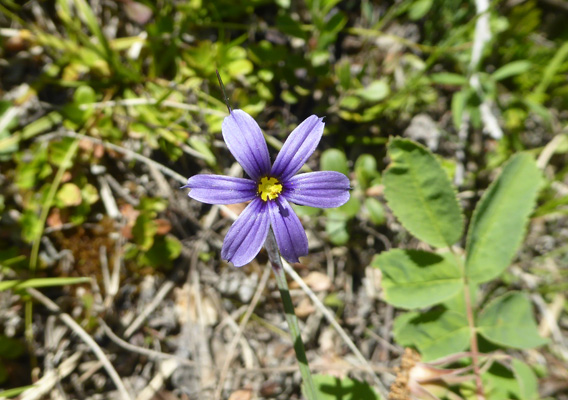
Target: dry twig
75,327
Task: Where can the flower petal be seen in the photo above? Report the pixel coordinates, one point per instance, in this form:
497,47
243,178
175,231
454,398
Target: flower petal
298,148
322,189
290,235
247,234
219,189
245,141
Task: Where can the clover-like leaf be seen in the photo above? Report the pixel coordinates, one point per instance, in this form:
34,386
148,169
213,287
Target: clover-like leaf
418,279
500,218
420,194
435,334
508,321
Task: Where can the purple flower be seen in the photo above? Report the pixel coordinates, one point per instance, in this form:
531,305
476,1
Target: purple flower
270,188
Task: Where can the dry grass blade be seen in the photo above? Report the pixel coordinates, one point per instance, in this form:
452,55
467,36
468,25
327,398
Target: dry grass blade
75,327
331,319
50,379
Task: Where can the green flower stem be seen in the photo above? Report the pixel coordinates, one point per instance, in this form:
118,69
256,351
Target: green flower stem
278,268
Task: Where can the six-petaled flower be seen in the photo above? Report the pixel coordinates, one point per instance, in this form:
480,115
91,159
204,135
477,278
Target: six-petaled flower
270,188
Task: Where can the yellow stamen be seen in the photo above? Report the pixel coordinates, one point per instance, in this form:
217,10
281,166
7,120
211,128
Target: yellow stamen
269,188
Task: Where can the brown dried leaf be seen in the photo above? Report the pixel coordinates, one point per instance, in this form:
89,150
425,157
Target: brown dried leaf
126,231
305,308
86,144
54,218
241,394
236,208
66,177
318,281
186,310
137,12
129,213
375,191
163,226
99,151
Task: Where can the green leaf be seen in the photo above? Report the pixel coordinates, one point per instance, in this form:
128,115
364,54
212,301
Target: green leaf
336,227
29,171
418,279
84,95
511,69
89,193
351,208
306,211
552,68
420,194
68,195
203,149
376,211
289,26
152,205
528,384
164,250
332,27
10,348
343,74
448,78
500,218
31,225
457,302
58,153
334,160
375,92
419,9
143,231
366,170
18,284
499,383
435,334
11,393
330,387
508,321
350,102
289,97
41,125
239,67
459,101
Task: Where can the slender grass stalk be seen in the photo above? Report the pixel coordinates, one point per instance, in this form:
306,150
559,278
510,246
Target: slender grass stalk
291,319
37,240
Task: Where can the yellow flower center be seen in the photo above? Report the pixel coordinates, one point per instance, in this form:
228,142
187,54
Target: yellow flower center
269,188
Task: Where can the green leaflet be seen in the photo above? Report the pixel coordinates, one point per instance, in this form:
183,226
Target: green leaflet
418,279
499,383
376,211
499,220
435,334
528,383
508,321
420,194
511,69
334,160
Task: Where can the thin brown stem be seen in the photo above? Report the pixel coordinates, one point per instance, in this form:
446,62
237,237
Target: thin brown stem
473,341
472,330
